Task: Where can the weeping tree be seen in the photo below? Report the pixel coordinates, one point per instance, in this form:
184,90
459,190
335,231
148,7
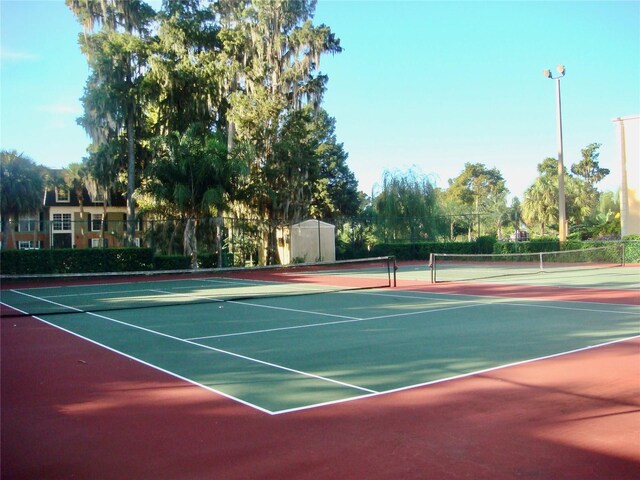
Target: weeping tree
273,51
406,207
115,41
189,176
183,82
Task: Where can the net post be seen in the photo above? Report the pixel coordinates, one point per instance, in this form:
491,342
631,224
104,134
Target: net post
432,267
395,269
541,264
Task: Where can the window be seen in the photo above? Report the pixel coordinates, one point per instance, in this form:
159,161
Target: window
27,224
61,222
96,222
98,242
62,195
28,245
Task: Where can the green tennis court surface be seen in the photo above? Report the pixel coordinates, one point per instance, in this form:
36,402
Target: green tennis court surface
279,352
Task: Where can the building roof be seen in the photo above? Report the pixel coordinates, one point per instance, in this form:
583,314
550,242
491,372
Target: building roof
116,200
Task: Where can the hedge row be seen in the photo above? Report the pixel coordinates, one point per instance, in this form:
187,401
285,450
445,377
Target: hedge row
487,245
25,262
94,260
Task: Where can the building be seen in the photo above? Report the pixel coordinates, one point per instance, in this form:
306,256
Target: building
69,221
307,241
629,151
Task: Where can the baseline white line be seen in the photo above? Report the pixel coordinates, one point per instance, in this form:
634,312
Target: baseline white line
456,377
207,347
168,372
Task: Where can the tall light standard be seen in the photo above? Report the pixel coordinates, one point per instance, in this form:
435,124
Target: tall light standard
562,221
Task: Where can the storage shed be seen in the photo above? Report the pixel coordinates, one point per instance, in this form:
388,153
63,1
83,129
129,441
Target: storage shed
308,241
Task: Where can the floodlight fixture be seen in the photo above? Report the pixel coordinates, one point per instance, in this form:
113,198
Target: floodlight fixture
559,68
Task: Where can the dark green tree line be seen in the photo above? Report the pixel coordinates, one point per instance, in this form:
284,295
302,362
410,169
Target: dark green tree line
243,75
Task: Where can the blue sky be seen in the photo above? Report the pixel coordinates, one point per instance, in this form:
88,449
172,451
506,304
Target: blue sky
423,84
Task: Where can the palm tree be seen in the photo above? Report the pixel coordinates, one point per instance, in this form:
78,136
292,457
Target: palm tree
193,174
75,177
102,169
540,205
21,191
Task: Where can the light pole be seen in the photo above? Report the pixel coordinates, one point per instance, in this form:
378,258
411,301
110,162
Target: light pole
562,221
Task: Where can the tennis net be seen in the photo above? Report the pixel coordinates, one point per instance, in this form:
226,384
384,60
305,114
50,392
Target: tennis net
458,267
66,294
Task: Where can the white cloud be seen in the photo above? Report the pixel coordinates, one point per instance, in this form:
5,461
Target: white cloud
16,56
60,108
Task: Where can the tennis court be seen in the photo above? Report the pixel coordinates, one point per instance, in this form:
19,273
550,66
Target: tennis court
288,342
276,349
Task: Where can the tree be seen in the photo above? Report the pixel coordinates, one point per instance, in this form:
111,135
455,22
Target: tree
183,84
335,194
102,167
581,200
541,199
274,55
540,204
193,175
453,214
479,187
589,168
406,207
117,57
75,177
21,189
514,214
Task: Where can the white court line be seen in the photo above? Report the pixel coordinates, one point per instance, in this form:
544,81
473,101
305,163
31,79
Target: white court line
206,347
535,299
368,395
93,294
499,301
168,372
258,305
352,320
456,377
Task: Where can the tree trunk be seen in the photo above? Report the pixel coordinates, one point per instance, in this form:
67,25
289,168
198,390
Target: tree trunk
219,223
190,242
131,182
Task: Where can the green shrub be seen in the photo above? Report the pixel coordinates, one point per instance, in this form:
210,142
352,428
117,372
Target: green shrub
171,262
485,245
632,251
66,260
